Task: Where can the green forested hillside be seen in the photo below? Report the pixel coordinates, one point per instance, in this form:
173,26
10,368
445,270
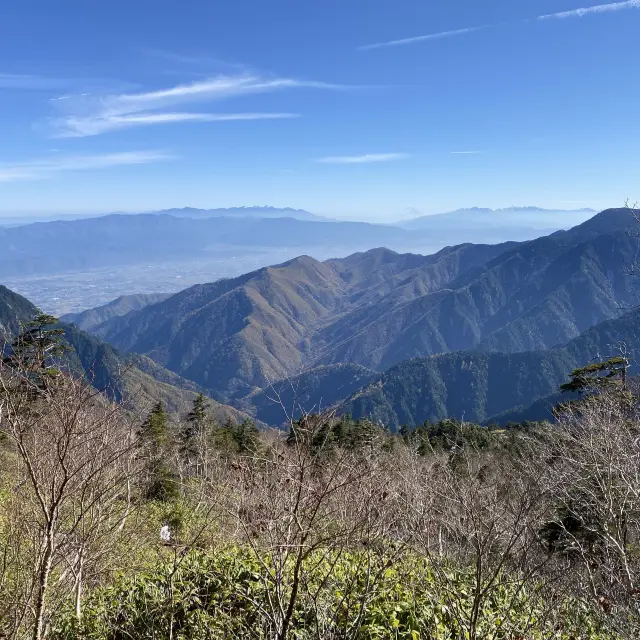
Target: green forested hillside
480,386
314,391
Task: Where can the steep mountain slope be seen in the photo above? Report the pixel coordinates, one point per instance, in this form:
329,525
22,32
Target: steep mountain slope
90,318
234,336
134,379
533,296
379,308
312,391
14,311
480,387
131,378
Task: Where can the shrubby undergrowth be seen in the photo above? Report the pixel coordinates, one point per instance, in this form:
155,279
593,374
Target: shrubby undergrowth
224,595
115,526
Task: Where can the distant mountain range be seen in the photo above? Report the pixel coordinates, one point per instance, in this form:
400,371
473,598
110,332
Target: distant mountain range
244,212
379,308
183,212
512,217
120,240
189,235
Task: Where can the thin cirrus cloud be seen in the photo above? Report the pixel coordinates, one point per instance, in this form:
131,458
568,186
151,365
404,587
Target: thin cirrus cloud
574,13
96,114
43,168
363,159
93,126
415,39
601,8
465,153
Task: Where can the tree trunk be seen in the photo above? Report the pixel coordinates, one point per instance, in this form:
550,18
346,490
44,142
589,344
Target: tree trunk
79,590
43,583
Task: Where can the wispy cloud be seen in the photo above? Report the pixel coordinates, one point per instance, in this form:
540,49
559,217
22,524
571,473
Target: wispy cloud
465,153
42,168
94,114
601,8
368,157
76,127
415,39
574,13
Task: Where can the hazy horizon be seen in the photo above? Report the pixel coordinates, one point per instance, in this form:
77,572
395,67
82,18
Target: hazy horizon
407,214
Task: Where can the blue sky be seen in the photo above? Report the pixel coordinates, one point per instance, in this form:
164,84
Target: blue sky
357,109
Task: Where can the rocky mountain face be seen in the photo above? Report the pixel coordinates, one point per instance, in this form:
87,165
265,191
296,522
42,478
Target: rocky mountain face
379,308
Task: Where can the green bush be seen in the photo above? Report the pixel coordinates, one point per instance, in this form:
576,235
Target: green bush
226,594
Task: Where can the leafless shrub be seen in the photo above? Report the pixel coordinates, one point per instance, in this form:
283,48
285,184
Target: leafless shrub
300,507
71,466
596,521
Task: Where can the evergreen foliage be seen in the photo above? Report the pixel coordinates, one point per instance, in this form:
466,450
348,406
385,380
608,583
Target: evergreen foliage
162,481
194,428
35,351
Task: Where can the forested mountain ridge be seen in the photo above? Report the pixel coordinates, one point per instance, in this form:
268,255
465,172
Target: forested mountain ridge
237,335
533,296
313,391
479,386
379,308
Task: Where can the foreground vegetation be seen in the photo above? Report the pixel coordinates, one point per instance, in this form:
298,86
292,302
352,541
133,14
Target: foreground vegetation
115,525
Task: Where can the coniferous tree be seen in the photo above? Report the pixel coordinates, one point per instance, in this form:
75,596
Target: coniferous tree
194,435
604,377
34,351
193,428
598,376
154,434
363,433
246,436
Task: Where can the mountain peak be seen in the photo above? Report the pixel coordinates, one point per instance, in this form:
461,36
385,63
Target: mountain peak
611,220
